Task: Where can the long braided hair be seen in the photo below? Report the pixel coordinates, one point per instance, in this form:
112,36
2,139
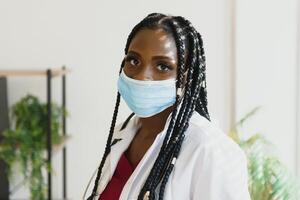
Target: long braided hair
188,42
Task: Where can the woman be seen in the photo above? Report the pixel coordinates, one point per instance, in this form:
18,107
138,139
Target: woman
167,148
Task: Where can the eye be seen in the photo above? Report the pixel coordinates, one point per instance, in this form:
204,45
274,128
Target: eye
163,67
133,61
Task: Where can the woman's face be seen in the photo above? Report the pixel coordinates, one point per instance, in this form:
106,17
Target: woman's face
152,55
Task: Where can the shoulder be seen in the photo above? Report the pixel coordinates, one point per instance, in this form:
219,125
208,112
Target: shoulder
205,135
212,149
220,164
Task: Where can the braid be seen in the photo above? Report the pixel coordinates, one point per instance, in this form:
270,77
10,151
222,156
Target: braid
108,142
181,127
178,35
201,106
107,147
160,162
187,39
203,91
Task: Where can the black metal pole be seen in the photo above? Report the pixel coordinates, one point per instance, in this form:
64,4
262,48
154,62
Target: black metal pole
64,133
4,124
49,131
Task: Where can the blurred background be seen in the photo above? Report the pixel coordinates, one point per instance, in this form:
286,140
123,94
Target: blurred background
253,59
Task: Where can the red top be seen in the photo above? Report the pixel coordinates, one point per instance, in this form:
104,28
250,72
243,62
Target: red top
122,173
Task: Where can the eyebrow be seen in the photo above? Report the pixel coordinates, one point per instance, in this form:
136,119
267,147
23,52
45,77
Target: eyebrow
155,57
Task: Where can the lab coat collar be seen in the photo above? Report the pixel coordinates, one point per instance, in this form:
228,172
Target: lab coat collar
134,124
126,135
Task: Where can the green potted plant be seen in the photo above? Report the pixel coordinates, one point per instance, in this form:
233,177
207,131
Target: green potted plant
24,144
269,179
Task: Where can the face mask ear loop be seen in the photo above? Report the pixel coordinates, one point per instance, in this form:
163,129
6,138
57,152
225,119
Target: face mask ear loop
180,93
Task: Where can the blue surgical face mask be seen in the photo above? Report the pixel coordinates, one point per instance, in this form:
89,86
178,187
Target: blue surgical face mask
147,98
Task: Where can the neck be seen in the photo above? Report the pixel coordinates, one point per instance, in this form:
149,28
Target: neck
152,126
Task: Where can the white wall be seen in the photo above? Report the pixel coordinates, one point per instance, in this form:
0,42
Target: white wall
266,57
297,156
89,37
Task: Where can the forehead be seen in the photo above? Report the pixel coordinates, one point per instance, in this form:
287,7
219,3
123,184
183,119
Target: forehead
154,42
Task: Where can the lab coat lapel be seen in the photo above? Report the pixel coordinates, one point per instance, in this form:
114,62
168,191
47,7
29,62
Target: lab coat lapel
125,137
121,141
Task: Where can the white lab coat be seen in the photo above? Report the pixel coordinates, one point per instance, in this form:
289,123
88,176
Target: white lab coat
210,166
